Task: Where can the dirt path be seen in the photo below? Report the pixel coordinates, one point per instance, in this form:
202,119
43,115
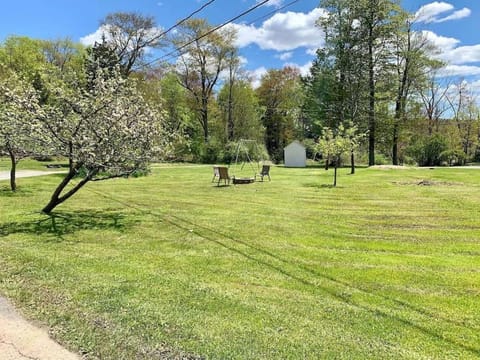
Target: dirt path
21,340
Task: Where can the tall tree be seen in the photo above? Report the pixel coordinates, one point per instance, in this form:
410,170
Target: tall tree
466,114
342,61
281,95
411,66
240,111
64,54
204,54
130,35
433,95
23,56
378,23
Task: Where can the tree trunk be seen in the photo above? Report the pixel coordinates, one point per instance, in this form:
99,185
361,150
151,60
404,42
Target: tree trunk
205,121
230,124
401,100
395,143
56,198
13,171
371,109
352,163
335,173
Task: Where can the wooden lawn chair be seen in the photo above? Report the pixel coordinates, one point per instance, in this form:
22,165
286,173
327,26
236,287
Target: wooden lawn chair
216,173
223,175
265,172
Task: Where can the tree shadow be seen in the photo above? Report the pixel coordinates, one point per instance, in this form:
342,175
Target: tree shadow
336,287
322,186
60,224
6,191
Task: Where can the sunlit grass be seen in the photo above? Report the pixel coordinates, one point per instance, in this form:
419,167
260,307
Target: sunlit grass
386,265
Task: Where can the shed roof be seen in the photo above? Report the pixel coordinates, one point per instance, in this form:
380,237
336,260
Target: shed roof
295,143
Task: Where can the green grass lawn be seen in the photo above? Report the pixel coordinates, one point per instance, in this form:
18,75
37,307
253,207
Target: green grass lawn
171,265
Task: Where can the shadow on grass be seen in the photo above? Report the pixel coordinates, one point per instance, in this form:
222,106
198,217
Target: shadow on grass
5,191
335,287
59,224
322,186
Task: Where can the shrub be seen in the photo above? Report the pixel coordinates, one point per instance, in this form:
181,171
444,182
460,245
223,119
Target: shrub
381,159
426,151
453,157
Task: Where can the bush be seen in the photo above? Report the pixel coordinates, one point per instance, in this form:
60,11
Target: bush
310,147
381,159
453,157
426,151
43,158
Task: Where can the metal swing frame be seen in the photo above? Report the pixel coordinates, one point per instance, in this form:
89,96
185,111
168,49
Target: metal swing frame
244,180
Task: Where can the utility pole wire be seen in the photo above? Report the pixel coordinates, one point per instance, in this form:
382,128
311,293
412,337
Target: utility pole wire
163,33
274,11
178,50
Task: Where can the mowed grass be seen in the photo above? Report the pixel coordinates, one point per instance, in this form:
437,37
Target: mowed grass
385,266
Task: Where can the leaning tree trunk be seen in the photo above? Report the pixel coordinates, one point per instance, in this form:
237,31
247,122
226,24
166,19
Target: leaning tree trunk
57,198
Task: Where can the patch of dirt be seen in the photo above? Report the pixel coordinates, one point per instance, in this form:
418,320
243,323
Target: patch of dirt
390,167
426,183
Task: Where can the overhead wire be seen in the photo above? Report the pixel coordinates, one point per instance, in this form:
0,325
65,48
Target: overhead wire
180,22
216,28
274,11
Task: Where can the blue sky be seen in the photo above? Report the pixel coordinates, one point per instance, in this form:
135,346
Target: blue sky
286,37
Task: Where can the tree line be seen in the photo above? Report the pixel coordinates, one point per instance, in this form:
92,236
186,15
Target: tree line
109,108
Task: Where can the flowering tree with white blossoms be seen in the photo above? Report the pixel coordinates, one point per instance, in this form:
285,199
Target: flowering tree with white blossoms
21,134
105,130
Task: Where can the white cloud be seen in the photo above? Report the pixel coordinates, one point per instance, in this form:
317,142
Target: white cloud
91,39
442,43
243,60
276,3
459,14
459,70
462,55
447,49
475,87
285,56
283,32
256,76
304,69
428,13
433,12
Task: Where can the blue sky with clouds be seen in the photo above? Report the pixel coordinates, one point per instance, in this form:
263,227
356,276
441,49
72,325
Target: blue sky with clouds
266,41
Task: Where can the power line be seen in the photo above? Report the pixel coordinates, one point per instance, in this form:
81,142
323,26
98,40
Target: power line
163,33
178,50
274,11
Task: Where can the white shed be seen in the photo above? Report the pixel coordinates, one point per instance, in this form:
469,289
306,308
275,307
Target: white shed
295,155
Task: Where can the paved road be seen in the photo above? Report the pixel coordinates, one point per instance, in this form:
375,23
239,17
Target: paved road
21,340
5,175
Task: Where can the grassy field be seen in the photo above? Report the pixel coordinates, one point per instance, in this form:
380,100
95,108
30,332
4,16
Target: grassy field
385,266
